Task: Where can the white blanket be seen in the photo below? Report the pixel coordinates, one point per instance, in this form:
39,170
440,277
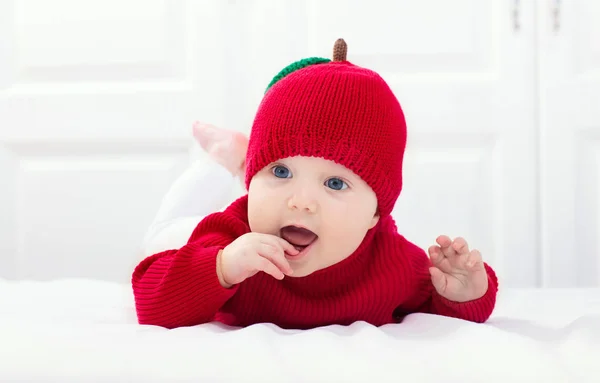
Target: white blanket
86,331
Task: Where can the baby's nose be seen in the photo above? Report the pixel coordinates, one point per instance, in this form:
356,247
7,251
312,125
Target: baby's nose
303,201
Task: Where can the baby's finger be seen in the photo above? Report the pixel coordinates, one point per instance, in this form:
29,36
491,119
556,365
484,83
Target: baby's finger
460,246
435,254
264,264
443,241
446,245
274,253
285,245
474,260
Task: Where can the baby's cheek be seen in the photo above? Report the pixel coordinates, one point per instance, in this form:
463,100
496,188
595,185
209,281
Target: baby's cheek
263,216
339,236
348,234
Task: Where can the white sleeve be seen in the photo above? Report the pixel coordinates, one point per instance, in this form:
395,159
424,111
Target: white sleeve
205,187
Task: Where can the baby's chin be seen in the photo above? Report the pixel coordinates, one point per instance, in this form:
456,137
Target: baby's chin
302,268
302,271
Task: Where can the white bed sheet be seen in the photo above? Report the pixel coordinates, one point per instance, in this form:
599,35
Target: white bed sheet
86,331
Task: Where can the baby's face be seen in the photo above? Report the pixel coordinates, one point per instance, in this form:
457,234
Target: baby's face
322,197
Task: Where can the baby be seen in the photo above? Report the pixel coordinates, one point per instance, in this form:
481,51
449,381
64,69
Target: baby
312,243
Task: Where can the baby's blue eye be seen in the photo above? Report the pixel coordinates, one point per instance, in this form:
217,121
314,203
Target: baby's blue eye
281,171
336,184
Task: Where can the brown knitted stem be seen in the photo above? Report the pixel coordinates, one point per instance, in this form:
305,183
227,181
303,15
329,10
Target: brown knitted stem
340,49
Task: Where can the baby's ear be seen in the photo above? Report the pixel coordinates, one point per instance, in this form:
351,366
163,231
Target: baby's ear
374,220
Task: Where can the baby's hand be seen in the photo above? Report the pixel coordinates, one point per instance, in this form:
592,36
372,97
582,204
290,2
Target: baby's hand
251,253
457,273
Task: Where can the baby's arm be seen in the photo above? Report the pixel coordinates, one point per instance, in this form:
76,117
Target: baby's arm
177,288
425,297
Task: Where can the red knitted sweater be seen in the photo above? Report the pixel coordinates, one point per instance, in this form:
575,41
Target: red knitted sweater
386,278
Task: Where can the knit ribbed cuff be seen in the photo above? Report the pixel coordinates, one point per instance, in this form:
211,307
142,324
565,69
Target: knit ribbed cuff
181,289
202,265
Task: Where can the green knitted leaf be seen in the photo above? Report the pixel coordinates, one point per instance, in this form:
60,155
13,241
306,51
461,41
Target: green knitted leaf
295,66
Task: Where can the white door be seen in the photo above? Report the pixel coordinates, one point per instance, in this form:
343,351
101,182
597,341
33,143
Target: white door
97,99
569,45
464,73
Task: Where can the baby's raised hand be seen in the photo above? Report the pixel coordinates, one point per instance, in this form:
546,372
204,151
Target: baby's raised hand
457,273
251,253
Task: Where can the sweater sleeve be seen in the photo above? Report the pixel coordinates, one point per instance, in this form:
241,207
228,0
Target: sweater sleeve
426,298
180,287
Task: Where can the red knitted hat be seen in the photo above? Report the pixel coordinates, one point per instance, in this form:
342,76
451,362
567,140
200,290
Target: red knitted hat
337,111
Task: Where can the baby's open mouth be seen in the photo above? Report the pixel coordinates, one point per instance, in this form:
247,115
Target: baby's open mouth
298,237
